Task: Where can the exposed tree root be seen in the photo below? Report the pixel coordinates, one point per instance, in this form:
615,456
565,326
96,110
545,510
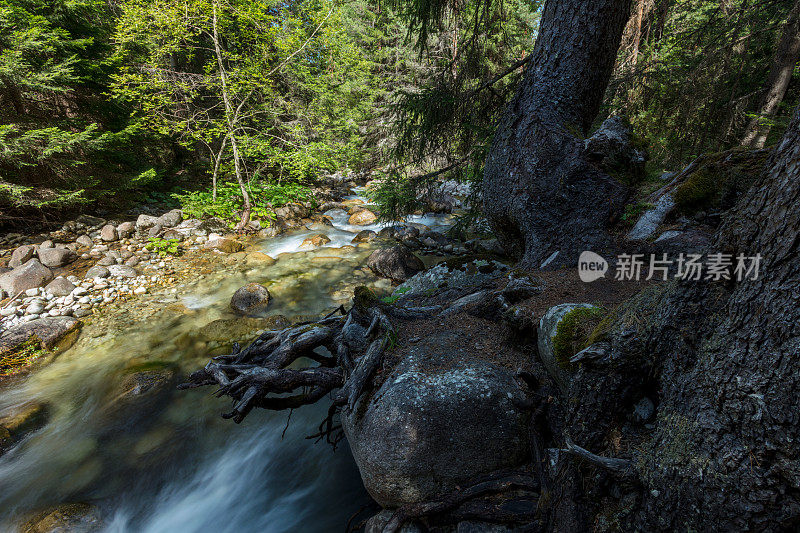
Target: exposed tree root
265,374
472,503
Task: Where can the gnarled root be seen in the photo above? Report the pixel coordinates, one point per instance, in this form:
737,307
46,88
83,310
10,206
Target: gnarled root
346,352
474,502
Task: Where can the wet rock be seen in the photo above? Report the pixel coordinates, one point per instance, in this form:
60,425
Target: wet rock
60,287
49,331
252,299
223,244
440,419
315,241
258,259
19,422
28,276
126,230
107,261
364,217
365,235
122,271
108,233
226,330
170,219
399,232
84,241
97,271
396,263
21,255
56,257
66,518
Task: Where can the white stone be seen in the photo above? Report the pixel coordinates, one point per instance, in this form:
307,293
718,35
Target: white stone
139,290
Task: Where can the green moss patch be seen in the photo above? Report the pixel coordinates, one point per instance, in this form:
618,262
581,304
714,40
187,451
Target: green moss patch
574,331
719,180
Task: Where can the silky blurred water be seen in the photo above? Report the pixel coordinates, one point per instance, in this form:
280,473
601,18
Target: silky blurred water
170,463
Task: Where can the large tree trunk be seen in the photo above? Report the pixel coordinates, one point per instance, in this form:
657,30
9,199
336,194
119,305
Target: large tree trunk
735,385
720,360
784,61
540,194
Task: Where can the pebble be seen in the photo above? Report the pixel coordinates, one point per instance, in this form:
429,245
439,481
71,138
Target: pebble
140,290
32,292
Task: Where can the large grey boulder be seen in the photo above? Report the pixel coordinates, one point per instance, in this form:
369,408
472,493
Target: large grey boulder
171,218
396,263
648,223
126,229
548,327
252,299
28,276
56,257
49,331
84,241
21,255
108,233
440,419
145,222
60,287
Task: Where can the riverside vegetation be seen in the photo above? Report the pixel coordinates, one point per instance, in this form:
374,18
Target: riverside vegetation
307,206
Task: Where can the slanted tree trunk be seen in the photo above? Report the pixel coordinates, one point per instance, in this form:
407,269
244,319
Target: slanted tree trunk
540,194
231,118
783,63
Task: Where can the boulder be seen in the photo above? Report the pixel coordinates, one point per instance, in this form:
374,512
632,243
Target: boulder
46,244
365,235
170,219
60,287
396,263
107,261
252,299
441,418
400,232
126,229
84,241
548,327
648,223
153,231
258,259
454,274
56,257
315,241
364,217
223,244
97,271
21,255
70,517
212,225
108,233
122,271
49,331
292,211
145,222
28,276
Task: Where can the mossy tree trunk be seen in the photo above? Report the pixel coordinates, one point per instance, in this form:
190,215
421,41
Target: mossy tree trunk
540,194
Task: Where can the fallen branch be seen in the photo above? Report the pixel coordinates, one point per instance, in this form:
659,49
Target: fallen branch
620,466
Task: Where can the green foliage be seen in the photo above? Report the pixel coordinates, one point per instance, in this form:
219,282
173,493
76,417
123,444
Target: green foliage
392,298
265,197
164,247
573,332
693,74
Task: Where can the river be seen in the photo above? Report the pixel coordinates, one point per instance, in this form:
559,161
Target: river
172,463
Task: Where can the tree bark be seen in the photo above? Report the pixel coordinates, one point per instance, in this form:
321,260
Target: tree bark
540,193
783,63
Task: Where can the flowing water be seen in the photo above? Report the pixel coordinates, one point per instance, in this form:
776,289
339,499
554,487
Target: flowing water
167,462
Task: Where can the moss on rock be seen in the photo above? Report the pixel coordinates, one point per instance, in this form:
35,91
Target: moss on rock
574,331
